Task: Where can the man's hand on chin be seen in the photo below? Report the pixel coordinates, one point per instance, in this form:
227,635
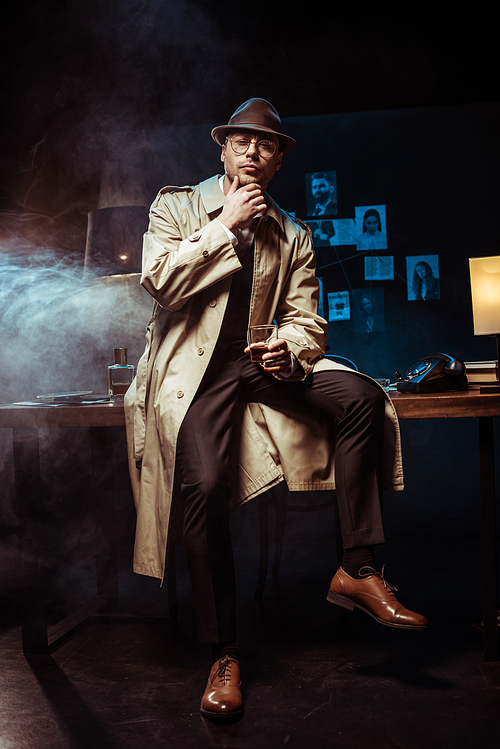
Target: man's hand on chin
241,206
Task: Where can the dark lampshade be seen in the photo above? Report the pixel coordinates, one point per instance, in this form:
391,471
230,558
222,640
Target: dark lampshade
114,239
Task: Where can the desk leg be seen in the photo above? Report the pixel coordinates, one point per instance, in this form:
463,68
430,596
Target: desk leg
29,510
101,450
488,535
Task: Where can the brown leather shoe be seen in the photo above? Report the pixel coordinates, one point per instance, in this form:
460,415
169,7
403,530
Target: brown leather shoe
375,596
222,697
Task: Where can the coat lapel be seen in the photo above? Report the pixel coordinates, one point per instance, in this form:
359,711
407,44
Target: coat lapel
211,195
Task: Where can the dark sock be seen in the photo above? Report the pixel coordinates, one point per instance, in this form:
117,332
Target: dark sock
354,559
220,649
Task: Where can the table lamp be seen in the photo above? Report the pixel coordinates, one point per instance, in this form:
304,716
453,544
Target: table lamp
485,289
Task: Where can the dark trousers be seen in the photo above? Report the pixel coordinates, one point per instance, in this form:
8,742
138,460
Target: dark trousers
203,472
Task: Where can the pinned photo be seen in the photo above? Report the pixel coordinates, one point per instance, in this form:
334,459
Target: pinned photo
333,232
323,233
422,276
321,192
345,231
368,310
371,230
338,306
379,268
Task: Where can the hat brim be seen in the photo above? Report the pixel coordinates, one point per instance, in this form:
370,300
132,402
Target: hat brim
219,134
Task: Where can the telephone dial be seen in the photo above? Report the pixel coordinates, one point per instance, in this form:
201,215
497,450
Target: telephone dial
434,373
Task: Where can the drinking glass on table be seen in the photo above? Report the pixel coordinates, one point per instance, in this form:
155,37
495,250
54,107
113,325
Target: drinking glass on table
259,338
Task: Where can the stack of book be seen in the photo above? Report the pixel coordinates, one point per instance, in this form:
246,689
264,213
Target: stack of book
481,372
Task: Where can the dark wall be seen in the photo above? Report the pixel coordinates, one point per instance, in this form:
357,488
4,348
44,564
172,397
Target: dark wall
435,169
82,86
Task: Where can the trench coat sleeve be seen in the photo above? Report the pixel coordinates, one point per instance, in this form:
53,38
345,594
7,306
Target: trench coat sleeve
175,267
296,314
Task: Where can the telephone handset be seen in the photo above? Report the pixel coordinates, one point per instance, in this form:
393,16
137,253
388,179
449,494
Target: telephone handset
434,373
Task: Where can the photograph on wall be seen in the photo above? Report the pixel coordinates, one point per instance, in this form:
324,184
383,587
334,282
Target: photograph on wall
338,306
323,233
330,232
345,231
368,310
371,230
379,268
422,277
321,193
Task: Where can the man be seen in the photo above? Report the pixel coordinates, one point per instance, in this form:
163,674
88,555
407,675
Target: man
207,428
322,190
367,307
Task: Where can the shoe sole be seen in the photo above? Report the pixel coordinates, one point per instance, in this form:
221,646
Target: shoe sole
222,716
346,603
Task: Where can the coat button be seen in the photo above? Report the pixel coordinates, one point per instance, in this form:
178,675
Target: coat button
201,351
205,253
212,303
180,394
194,237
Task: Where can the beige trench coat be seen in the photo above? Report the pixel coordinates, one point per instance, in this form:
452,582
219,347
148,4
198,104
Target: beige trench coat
188,262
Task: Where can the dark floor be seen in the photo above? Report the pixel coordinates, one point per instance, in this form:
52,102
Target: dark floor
314,676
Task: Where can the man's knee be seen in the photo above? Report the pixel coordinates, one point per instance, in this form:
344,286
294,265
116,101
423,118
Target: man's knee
368,397
351,390
214,486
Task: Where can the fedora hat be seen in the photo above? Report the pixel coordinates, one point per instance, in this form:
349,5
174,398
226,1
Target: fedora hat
257,115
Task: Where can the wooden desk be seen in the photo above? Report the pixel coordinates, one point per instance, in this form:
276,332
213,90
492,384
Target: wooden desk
37,417
25,422
470,404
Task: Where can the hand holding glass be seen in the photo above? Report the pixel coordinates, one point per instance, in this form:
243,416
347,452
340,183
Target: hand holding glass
259,338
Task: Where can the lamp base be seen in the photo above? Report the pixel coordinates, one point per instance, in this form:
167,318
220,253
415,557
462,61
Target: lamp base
493,388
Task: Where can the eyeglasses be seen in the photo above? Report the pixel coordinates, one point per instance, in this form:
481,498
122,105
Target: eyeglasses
241,143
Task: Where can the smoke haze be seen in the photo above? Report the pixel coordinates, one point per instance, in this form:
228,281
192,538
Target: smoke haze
59,329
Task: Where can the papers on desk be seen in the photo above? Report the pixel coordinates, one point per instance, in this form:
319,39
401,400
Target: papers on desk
80,398
65,397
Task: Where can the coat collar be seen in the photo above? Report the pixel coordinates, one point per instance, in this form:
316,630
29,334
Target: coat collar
213,199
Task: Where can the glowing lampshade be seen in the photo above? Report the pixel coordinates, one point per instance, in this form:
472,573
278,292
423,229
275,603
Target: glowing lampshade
485,288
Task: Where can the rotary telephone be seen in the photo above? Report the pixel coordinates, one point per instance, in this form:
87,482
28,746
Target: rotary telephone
434,373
